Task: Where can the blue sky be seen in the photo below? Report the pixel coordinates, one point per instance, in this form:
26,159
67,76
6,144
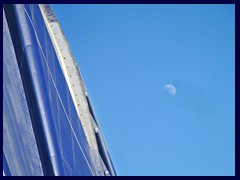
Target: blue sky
128,53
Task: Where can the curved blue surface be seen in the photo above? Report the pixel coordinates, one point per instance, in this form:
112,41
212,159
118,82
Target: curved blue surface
61,145
21,155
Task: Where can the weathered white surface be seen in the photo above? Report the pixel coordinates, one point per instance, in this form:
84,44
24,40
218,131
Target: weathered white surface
74,81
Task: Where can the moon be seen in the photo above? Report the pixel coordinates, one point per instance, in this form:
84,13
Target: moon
171,89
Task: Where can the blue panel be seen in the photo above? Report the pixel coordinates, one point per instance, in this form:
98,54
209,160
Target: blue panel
20,149
62,145
6,170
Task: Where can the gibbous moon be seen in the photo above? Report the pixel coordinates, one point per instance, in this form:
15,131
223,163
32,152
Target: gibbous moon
171,89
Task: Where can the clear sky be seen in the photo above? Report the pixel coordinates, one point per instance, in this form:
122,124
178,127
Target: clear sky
128,53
